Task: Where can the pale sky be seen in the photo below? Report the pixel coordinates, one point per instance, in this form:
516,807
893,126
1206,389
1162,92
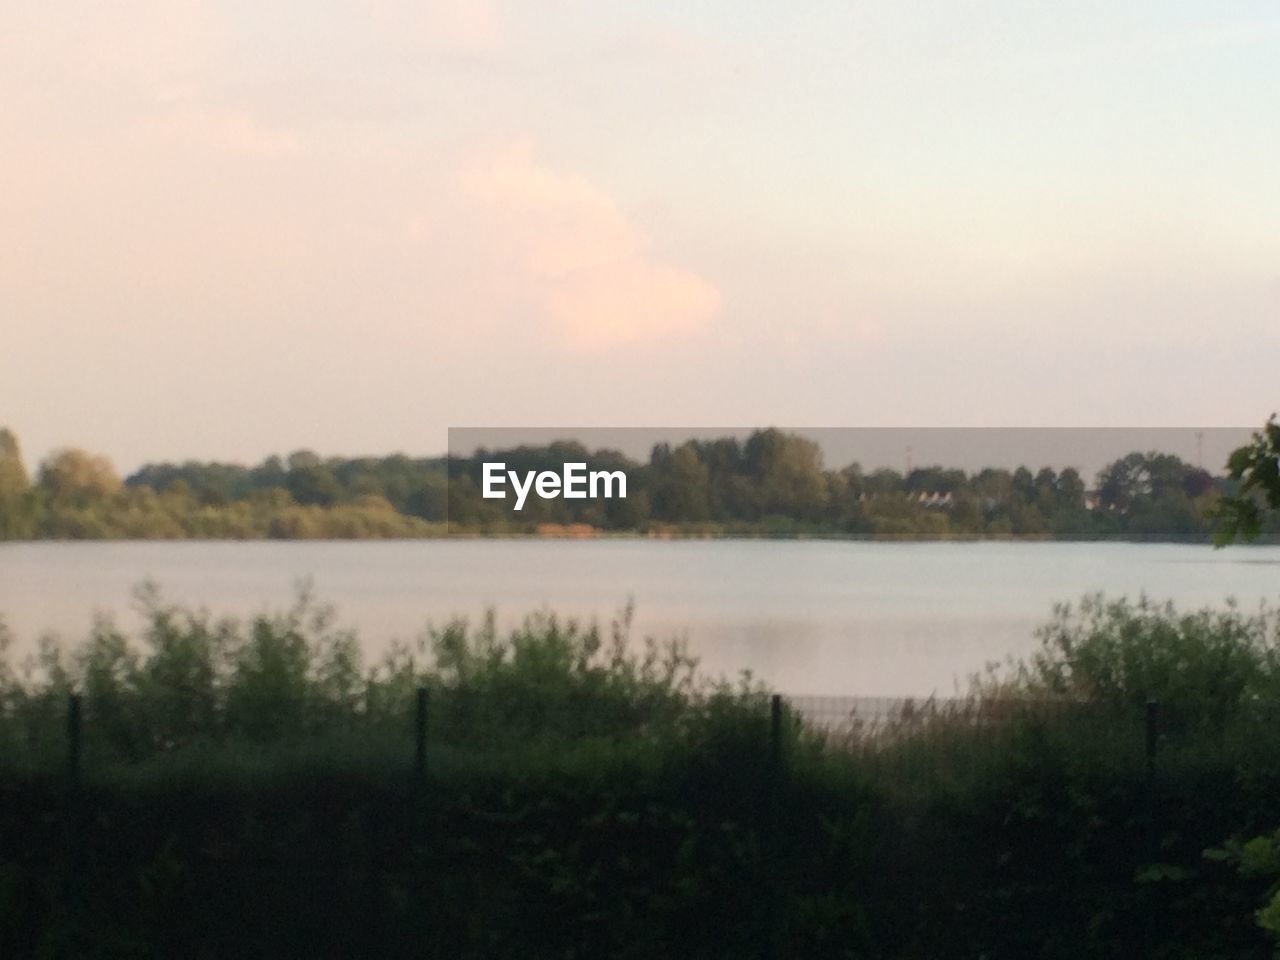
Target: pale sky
229,228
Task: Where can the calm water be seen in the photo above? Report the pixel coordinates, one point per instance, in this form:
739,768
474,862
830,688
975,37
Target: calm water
808,617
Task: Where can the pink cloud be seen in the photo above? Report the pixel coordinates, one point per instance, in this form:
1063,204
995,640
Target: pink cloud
586,266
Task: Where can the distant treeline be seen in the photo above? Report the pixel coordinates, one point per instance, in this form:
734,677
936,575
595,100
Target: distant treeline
771,484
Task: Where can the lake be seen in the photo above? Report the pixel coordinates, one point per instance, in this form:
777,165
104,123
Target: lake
808,617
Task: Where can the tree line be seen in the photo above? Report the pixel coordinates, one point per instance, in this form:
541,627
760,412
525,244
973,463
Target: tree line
772,483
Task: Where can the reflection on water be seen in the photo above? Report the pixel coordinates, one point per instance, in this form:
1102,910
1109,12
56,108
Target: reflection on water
815,617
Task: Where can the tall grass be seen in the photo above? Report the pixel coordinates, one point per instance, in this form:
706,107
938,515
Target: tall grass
550,686
588,794
190,681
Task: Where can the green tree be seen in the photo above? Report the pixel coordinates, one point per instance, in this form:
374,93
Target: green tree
994,487
1256,468
1151,494
1123,481
72,477
1070,489
15,488
788,472
681,483
883,480
311,481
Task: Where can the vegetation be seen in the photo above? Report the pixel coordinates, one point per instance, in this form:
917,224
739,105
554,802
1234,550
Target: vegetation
192,680
1256,467
249,788
1208,665
78,496
771,484
1255,506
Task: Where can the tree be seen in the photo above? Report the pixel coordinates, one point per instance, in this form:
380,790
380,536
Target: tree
1024,485
14,488
72,477
313,485
882,481
680,484
1071,490
13,475
993,486
1123,481
788,473
1256,467
1151,494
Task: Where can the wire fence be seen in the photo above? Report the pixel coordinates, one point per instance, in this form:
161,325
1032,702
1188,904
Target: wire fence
908,739
904,739
779,748
885,716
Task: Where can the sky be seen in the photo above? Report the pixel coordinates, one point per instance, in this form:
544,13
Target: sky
232,229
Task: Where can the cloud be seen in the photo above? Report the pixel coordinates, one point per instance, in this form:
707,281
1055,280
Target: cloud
586,266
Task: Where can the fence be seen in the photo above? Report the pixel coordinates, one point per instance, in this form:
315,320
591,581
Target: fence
902,738
904,744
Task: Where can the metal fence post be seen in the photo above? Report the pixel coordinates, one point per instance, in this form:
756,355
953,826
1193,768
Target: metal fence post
1153,734
72,828
73,742
772,845
420,735
775,734
1153,830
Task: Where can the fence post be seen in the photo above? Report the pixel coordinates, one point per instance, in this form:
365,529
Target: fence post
1153,831
772,845
775,735
1153,734
72,856
73,742
420,735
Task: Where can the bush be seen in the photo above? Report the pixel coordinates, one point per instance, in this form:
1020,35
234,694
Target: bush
588,797
190,677
1212,665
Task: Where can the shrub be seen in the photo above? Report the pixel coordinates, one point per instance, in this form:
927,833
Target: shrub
1208,664
189,677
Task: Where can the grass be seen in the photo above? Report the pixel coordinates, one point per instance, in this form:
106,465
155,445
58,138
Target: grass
250,788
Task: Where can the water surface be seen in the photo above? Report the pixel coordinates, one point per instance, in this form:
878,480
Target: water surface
820,617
